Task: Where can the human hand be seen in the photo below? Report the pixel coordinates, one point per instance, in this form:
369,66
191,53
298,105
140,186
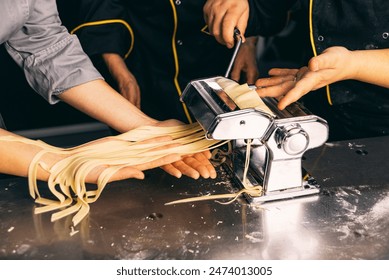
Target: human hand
193,166
222,16
129,88
333,65
246,62
126,81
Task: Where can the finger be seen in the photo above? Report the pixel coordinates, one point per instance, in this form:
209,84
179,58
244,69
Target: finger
210,23
227,30
200,162
301,72
282,72
186,169
207,154
325,60
137,99
203,158
133,99
302,87
235,73
313,64
206,14
170,169
197,165
251,76
242,24
217,28
273,81
276,90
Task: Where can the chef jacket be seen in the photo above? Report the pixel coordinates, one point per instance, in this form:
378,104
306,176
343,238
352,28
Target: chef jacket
165,44
361,109
51,58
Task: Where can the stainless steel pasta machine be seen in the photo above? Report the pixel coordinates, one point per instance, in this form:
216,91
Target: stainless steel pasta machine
278,141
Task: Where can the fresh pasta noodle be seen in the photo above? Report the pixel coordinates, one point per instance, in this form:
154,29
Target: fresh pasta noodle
67,178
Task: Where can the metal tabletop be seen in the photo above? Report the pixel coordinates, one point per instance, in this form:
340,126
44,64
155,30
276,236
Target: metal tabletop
349,219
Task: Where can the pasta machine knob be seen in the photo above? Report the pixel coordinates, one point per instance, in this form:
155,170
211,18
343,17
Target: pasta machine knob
292,139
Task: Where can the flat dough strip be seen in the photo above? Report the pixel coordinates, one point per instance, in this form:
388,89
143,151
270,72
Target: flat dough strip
243,96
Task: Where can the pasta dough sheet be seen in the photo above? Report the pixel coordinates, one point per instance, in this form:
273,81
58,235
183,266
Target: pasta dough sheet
243,96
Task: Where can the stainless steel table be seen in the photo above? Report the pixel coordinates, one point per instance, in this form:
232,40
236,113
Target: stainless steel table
349,219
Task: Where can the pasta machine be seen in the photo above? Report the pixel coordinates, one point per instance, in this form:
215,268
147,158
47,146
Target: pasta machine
277,141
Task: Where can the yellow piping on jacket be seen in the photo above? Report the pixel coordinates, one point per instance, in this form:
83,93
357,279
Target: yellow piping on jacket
176,61
313,44
109,21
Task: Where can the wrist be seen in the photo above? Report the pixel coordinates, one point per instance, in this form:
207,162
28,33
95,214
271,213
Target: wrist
356,64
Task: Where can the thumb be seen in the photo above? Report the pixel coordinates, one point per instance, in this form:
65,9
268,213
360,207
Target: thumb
314,64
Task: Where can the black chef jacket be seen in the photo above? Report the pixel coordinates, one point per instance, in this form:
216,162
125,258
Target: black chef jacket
2,124
166,43
357,109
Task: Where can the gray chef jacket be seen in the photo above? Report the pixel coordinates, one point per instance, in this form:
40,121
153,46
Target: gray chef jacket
52,59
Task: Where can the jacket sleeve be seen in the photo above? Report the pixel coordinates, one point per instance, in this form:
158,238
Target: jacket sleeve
103,28
266,17
52,59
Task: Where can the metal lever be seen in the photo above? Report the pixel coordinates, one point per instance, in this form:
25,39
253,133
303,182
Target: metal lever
238,38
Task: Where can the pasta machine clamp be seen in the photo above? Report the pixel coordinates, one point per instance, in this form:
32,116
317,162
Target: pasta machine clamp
277,142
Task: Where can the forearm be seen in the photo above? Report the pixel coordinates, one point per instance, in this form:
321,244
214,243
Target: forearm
117,67
100,101
125,80
17,156
371,66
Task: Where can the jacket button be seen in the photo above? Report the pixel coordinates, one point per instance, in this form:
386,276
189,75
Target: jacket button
178,2
385,35
180,42
320,38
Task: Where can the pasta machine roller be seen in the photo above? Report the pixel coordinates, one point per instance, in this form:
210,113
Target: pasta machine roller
278,140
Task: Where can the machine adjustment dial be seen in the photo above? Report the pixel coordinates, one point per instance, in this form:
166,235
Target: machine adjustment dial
292,139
